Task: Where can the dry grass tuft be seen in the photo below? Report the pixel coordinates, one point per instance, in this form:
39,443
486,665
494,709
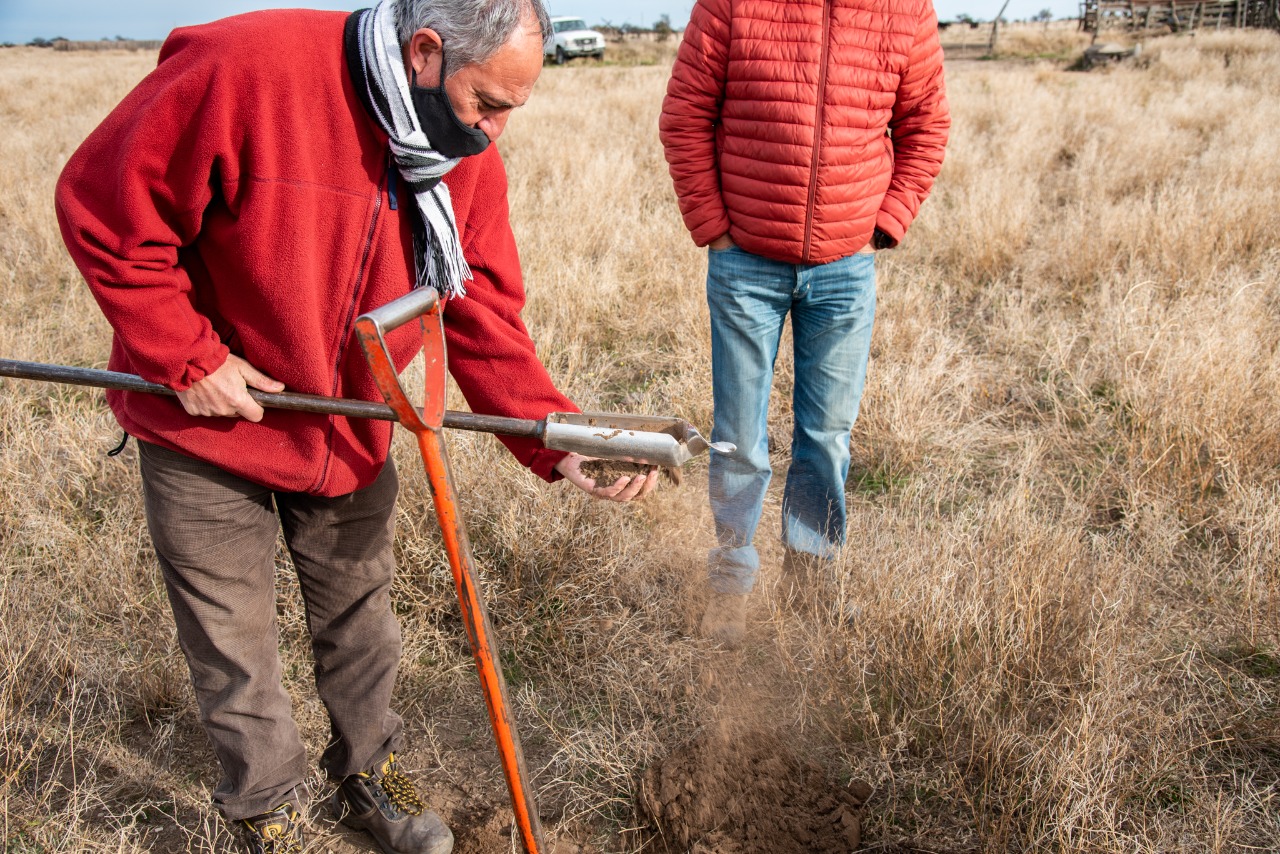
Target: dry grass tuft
1058,624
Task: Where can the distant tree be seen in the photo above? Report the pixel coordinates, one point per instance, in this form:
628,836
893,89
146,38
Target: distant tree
1044,16
39,42
663,28
121,39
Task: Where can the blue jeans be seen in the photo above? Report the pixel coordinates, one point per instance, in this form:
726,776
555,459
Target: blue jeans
832,308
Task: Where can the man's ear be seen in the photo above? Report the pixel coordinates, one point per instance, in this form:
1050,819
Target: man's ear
425,54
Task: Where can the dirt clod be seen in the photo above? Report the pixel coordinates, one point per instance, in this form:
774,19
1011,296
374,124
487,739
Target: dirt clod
747,793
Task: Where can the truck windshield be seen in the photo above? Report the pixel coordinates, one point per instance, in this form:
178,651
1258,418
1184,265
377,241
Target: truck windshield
570,26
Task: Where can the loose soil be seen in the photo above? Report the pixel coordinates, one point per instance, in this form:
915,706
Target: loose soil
607,472
748,793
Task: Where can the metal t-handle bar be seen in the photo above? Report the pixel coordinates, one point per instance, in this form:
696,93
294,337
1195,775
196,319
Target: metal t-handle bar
426,425
318,404
653,440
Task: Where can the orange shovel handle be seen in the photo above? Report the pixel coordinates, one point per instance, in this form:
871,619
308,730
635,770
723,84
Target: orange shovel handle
427,424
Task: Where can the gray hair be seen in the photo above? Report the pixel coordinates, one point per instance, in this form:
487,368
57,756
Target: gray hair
472,30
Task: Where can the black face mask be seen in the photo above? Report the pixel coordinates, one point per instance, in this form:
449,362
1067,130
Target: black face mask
440,123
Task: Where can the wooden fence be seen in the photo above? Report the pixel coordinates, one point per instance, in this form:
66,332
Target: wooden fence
1174,16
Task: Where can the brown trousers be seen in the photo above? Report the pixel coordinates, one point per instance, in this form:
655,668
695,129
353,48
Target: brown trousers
215,535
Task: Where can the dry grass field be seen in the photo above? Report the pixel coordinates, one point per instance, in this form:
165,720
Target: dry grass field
1053,41
1056,628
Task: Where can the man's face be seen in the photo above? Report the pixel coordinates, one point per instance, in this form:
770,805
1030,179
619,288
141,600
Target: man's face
482,94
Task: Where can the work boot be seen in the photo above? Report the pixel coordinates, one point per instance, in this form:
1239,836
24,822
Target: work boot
275,832
384,802
725,620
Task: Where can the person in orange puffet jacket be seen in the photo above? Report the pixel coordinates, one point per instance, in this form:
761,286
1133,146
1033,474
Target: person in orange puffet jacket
802,137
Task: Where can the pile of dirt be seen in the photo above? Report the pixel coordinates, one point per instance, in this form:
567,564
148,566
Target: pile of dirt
748,793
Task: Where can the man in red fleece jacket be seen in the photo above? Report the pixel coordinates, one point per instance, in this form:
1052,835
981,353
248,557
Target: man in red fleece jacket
278,174
802,136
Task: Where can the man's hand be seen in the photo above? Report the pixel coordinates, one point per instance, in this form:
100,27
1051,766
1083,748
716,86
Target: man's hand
721,243
623,489
225,391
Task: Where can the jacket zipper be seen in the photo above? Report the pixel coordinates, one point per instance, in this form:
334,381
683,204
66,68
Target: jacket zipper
383,185
817,132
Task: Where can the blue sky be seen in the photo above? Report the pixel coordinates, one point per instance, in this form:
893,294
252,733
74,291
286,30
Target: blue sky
23,20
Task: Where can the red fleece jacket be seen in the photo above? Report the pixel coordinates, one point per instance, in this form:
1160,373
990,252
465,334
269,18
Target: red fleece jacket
240,200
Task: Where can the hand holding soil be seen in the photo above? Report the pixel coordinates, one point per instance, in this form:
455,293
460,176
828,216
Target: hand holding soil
609,480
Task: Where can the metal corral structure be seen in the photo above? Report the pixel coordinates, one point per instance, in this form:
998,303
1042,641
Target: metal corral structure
1174,16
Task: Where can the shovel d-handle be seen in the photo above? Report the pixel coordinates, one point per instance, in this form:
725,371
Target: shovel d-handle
423,305
372,329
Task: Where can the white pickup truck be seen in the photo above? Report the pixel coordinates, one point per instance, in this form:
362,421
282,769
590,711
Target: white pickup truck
570,38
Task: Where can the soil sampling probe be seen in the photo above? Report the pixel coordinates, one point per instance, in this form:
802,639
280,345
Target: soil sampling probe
659,441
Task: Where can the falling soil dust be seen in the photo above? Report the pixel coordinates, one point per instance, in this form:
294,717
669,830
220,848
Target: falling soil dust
748,793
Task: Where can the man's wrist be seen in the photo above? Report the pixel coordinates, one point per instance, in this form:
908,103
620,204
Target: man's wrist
880,240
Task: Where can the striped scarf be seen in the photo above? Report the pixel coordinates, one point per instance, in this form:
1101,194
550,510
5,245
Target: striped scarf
437,249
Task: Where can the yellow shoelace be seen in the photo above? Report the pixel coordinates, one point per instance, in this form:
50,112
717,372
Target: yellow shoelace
400,789
276,838
276,841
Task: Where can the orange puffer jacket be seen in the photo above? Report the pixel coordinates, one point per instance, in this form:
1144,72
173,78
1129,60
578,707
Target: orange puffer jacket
798,127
